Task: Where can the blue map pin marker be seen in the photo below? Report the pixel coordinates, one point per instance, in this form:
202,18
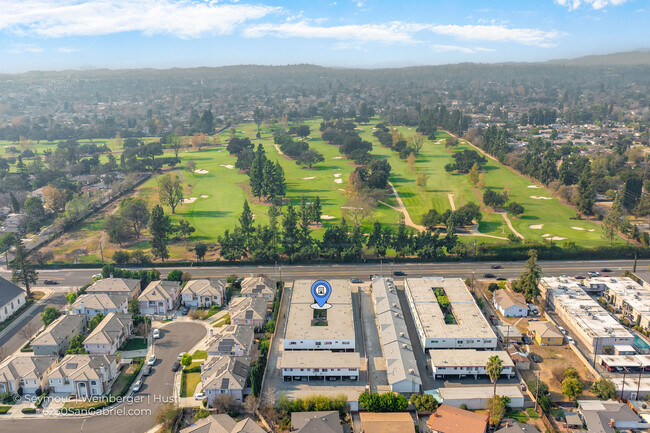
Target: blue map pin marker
321,291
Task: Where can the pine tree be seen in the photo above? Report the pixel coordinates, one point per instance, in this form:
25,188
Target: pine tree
613,221
375,238
160,227
316,210
586,193
401,240
256,172
23,270
268,175
305,215
273,222
15,206
279,183
290,231
246,222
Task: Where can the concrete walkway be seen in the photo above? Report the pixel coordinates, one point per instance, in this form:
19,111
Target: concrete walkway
505,217
401,208
31,308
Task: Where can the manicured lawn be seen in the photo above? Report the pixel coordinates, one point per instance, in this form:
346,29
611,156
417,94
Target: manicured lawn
517,415
200,354
135,343
211,312
532,413
189,384
222,321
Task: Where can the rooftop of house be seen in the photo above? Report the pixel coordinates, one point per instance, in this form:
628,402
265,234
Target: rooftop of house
203,287
109,329
248,308
110,285
23,366
229,336
8,291
161,290
82,367
223,423
507,298
58,330
226,372
316,422
449,419
319,359
467,357
394,422
99,301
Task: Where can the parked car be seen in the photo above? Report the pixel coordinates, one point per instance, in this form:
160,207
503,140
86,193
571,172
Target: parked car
146,370
136,386
180,355
185,311
50,282
579,277
502,279
494,320
562,330
176,366
497,267
356,280
606,270
535,357
593,274
489,276
399,274
152,360
156,333
571,340
199,396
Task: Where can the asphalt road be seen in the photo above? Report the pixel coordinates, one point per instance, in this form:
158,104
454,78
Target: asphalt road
75,278
176,338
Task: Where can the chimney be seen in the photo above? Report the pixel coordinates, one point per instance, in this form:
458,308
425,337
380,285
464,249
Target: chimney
102,372
611,422
507,424
211,332
83,309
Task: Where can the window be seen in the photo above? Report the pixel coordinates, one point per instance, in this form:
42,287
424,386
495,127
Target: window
293,342
93,382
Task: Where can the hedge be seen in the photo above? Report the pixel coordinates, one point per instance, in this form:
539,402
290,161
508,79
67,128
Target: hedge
28,410
39,402
4,409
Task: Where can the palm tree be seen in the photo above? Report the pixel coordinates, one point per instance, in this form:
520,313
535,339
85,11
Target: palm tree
494,367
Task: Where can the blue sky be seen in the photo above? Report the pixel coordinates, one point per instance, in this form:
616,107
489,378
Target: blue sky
72,34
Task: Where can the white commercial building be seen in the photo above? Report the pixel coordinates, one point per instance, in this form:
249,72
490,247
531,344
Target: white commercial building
315,329
401,367
631,298
309,365
588,320
467,362
461,325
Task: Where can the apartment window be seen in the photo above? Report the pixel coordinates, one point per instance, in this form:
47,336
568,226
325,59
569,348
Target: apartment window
93,382
293,342
346,342
12,305
318,343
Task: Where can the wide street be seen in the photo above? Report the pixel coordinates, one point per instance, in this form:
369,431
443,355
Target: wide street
175,338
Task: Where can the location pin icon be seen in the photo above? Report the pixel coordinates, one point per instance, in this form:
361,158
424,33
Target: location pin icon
321,291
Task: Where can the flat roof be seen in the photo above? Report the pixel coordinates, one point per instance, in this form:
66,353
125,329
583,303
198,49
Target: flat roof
467,357
474,392
339,323
628,361
509,331
470,321
301,292
319,359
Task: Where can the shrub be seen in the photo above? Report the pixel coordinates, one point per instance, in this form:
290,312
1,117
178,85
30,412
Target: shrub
4,409
201,413
28,410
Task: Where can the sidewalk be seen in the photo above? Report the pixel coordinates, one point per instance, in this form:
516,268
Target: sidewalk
30,309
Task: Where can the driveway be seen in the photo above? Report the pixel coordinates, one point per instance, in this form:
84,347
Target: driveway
156,390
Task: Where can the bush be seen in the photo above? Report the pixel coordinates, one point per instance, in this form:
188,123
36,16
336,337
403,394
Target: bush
463,406
201,413
4,409
175,275
28,410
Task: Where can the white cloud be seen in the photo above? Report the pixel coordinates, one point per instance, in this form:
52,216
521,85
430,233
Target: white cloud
67,50
182,18
387,33
440,48
498,33
596,4
23,48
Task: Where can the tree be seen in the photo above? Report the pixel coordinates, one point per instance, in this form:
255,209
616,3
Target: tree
175,275
604,389
117,229
71,297
613,220
493,287
76,346
451,142
190,166
410,162
258,116
424,402
515,208
23,271
529,279
200,249
497,408
290,231
55,198
6,242
316,210
572,387
160,227
49,315
309,157
416,142
15,206
134,212
246,222
183,230
170,191
34,208
494,199
421,181
96,320
134,307
493,368
586,191
167,415
472,176
186,359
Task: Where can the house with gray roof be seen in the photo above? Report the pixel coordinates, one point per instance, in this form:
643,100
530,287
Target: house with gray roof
202,293
517,427
83,375
55,339
25,371
91,304
14,223
258,287
248,311
234,340
225,375
223,423
160,297
110,334
12,298
609,416
129,287
316,422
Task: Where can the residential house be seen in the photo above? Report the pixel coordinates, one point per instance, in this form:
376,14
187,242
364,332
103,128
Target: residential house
25,371
233,340
248,311
160,297
12,298
14,223
509,303
517,427
225,375
546,333
38,192
316,422
110,334
91,304
55,339
258,287
129,287
477,397
83,375
518,357
223,423
609,416
449,419
202,293
395,422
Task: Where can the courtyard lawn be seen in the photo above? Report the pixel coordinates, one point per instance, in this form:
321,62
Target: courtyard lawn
189,382
136,343
200,354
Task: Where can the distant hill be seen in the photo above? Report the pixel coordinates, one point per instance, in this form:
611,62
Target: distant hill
616,59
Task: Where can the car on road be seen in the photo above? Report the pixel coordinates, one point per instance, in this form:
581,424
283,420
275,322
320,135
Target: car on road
180,355
571,340
562,330
50,282
156,333
494,320
152,360
606,270
502,279
185,311
176,366
199,396
356,280
593,274
579,277
146,370
489,276
137,386
399,274
496,267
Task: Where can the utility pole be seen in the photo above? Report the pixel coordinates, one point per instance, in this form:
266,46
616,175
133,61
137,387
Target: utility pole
638,384
623,385
537,390
101,251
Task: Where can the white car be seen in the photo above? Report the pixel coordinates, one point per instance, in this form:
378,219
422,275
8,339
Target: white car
571,340
562,330
180,356
152,360
593,274
137,386
199,396
156,333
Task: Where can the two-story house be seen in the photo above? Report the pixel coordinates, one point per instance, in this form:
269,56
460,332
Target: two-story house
91,304
258,287
202,293
248,311
129,287
12,298
25,371
110,334
55,339
83,375
235,340
160,297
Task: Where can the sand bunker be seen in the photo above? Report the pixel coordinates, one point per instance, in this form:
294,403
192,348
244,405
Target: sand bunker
540,198
578,228
536,226
201,171
204,196
228,166
189,200
341,189
337,174
553,238
327,217
308,178
338,180
337,157
533,186
220,150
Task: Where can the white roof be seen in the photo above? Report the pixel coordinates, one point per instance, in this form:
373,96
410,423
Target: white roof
319,359
479,392
467,357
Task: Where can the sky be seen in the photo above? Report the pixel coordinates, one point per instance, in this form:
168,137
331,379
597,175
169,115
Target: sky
86,34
